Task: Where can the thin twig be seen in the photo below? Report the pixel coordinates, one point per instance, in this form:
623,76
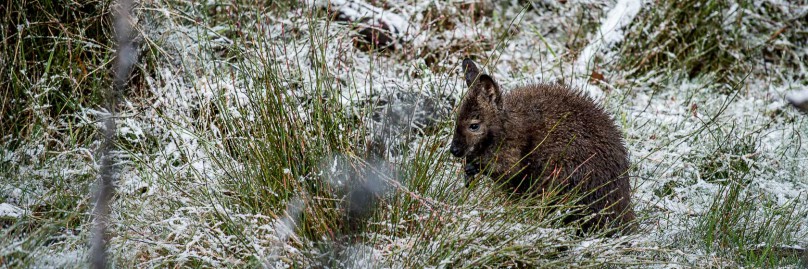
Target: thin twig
125,57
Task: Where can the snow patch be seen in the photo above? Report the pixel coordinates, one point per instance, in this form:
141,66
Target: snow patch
799,99
609,33
356,10
10,211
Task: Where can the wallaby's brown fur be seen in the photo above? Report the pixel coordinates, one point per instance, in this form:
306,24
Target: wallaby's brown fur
545,136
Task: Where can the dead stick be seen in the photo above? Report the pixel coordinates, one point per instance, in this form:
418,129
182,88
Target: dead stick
125,58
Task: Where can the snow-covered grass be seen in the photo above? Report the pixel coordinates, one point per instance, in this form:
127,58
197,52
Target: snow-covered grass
250,129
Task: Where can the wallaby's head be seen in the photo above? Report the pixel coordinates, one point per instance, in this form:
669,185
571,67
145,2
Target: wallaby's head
478,121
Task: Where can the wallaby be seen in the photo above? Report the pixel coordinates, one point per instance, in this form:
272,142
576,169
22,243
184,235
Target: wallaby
545,136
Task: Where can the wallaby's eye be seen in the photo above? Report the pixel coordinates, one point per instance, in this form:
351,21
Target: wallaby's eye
474,127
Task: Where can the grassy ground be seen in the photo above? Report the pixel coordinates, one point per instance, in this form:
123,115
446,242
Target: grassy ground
274,135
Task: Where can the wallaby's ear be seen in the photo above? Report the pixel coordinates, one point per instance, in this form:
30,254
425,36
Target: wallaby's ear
486,87
471,71
482,85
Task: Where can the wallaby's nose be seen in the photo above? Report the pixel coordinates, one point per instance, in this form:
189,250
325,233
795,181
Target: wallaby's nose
455,150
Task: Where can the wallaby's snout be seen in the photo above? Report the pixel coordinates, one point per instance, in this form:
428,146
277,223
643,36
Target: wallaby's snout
455,149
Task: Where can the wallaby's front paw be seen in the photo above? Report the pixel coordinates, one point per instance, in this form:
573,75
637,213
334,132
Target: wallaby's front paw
472,169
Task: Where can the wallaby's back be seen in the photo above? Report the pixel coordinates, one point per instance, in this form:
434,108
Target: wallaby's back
576,143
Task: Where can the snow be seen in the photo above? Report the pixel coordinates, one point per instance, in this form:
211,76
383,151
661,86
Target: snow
798,98
356,10
10,211
609,33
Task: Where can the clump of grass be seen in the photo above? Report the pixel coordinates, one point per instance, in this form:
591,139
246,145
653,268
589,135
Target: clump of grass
55,56
580,31
297,125
697,37
56,59
747,228
733,159
728,39
54,204
284,146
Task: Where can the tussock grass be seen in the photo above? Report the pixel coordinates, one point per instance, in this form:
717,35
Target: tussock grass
734,228
56,59
690,36
723,38
55,56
